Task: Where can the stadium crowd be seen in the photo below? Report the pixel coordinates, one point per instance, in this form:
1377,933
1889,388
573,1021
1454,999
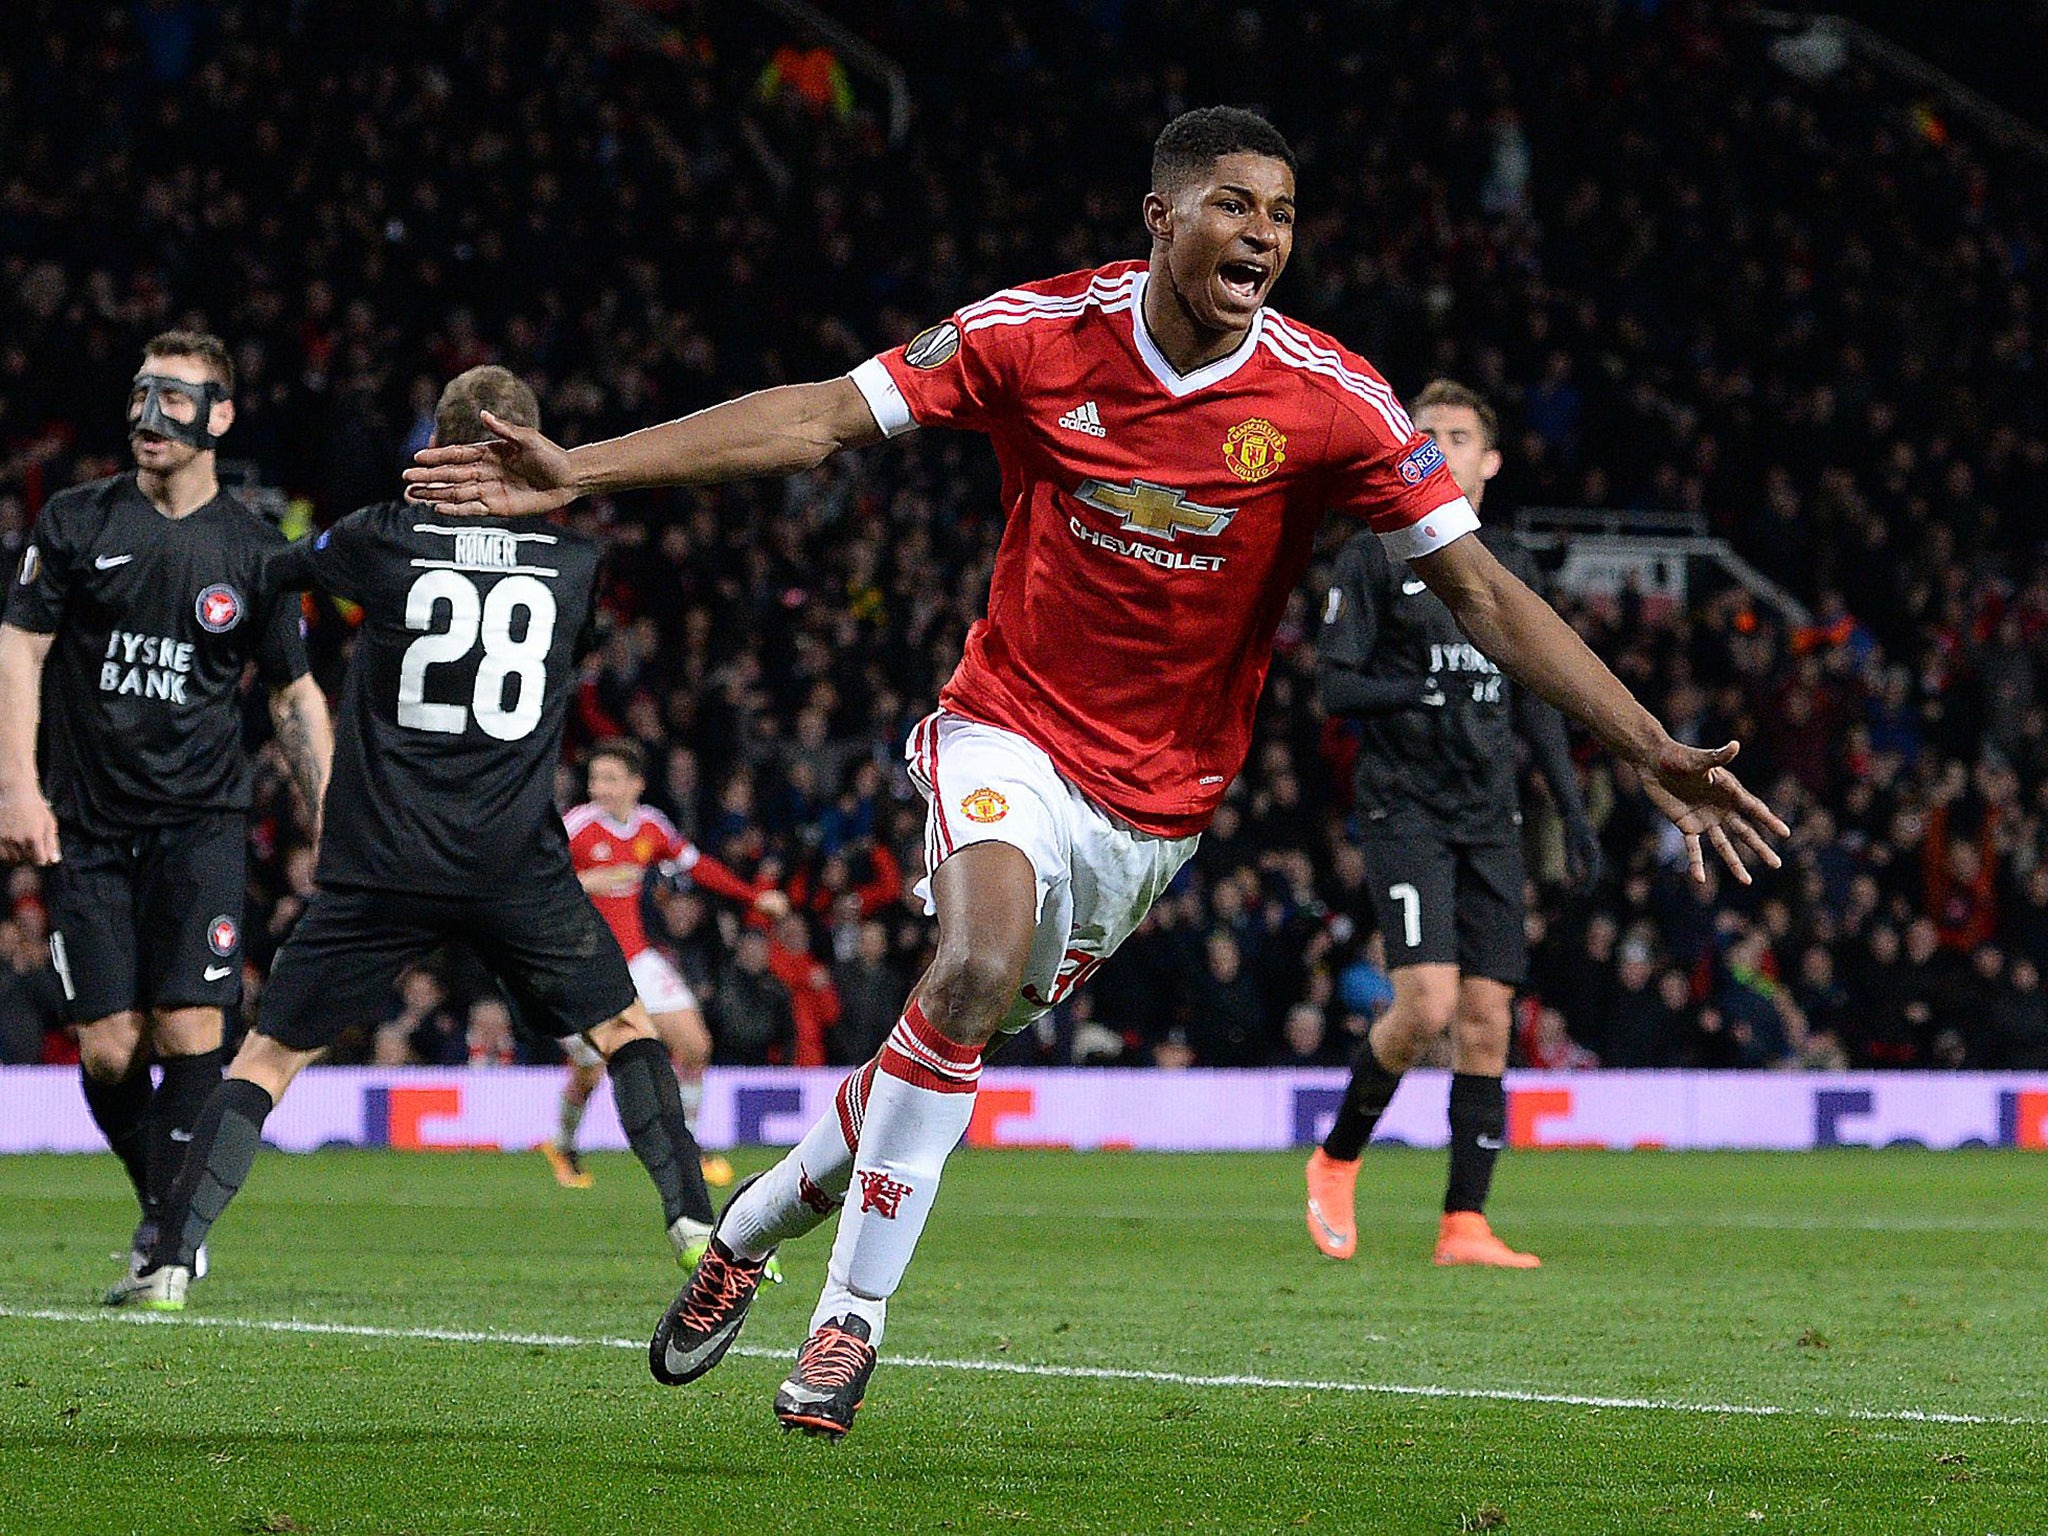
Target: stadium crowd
1809,312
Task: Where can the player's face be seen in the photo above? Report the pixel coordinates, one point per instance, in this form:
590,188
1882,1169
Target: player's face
615,786
165,455
1459,432
1227,236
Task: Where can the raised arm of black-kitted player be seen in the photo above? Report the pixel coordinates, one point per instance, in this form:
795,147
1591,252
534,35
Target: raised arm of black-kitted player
1349,638
329,561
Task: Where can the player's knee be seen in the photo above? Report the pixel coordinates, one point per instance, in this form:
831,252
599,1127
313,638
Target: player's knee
110,1049
187,1031
970,988
1426,1002
1480,1030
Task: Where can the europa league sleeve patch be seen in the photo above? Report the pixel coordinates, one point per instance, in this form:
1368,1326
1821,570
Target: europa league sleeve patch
934,346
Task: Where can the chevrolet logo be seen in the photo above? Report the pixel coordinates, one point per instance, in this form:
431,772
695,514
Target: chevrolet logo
1155,509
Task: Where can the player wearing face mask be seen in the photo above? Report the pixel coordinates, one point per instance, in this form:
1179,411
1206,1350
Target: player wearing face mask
128,628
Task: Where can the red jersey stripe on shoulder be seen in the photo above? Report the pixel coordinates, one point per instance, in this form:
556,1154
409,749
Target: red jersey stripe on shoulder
1287,343
1067,287
1015,307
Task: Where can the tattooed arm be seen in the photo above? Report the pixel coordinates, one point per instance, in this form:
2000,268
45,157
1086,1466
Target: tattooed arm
298,713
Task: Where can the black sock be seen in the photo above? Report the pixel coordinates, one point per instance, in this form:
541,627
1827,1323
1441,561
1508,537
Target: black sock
1365,1100
651,1109
223,1148
121,1111
187,1084
1479,1124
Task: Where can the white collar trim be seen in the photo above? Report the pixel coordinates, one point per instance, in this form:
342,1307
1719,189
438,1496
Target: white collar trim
1180,385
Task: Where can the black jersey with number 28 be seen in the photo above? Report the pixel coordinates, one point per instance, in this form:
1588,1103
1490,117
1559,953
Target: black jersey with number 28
154,620
450,724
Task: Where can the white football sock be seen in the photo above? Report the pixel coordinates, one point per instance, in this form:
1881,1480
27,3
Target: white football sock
917,1111
692,1091
798,1193
567,1126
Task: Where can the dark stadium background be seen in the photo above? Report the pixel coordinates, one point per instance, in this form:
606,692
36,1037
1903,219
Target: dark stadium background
1806,310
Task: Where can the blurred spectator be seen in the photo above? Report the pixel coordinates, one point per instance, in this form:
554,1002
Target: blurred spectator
871,998
429,1031
1227,1025
489,1036
31,996
1305,1041
752,1022
814,1001
1548,1047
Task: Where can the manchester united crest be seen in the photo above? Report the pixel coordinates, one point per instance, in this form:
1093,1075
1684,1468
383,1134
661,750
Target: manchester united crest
985,805
1254,449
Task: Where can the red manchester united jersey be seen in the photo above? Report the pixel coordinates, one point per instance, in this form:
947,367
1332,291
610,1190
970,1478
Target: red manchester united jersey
648,838
1157,522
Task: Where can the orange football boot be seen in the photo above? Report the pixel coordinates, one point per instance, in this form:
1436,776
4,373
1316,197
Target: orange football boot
1465,1238
1332,1224
569,1170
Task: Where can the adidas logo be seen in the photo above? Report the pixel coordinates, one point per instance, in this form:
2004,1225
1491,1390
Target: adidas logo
1083,418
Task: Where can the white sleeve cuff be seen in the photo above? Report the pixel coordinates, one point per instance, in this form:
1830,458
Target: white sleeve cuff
1432,531
885,400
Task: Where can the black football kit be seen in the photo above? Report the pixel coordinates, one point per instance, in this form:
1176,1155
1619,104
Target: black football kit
1438,780
440,820
153,622
440,824
1439,812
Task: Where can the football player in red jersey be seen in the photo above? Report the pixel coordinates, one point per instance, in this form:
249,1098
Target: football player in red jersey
613,841
1169,446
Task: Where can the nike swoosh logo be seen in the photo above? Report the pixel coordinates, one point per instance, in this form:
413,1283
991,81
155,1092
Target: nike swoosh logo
108,562
681,1361
215,972
1410,588
802,1396
1328,1231
1489,1143
181,1135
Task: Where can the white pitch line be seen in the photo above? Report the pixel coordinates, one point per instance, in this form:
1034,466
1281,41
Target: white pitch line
1058,1372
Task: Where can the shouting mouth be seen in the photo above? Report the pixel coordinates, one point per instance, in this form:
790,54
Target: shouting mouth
1244,281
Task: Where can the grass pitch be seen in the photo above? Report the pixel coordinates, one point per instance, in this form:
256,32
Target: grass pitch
1842,1342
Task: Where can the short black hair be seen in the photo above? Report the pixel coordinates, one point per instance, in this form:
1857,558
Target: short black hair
1196,140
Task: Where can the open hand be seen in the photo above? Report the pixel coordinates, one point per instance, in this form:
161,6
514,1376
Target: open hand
1704,800
520,473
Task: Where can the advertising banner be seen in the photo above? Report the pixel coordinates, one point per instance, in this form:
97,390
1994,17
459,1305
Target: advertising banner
513,1108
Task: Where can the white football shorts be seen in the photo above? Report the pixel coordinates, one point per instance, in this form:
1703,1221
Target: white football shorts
661,990
1097,875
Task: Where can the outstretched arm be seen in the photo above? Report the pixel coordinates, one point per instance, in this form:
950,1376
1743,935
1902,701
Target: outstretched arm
772,432
1526,638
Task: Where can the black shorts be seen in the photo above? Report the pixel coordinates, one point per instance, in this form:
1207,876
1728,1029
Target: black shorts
1441,901
541,937
149,919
